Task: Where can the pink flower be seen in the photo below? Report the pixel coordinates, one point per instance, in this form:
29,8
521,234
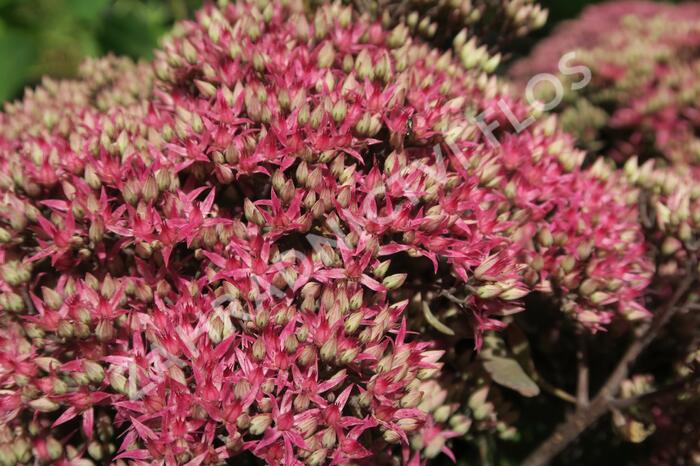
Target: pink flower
225,258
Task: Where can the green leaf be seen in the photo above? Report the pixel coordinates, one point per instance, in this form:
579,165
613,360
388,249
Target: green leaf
507,372
17,53
521,349
87,10
134,28
435,322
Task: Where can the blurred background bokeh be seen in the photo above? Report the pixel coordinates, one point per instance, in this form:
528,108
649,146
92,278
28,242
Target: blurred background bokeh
52,37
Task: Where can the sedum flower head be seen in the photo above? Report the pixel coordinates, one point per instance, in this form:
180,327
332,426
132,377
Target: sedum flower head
221,252
642,98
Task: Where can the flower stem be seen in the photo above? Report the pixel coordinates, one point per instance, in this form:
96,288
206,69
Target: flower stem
585,416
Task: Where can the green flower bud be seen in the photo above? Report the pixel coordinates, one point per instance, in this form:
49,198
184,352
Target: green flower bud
104,330
59,386
339,111
382,268
118,382
259,350
316,458
391,437
252,213
94,371
95,450
328,350
5,236
395,281
205,88
326,55
260,423
44,405
54,448
291,344
303,115
588,286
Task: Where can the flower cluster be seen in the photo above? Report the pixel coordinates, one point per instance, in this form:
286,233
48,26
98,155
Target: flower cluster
671,212
641,109
642,99
591,252
218,254
492,23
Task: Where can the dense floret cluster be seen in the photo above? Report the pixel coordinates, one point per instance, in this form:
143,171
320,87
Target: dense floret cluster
220,253
640,108
493,23
670,204
642,99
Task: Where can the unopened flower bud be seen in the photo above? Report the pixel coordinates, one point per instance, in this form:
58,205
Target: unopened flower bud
5,236
104,330
326,55
91,177
53,448
118,382
545,238
252,213
301,403
339,111
22,450
205,88
189,52
95,450
460,424
328,349
51,298
215,329
599,297
408,424
108,287
363,125
397,37
94,371
291,344
97,230
243,421
44,405
514,293
349,355
316,458
259,349
307,355
588,286
584,251
488,291
260,423
7,455
391,436
411,399
670,246
395,281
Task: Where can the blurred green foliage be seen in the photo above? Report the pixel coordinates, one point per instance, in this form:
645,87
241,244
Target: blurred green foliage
52,37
